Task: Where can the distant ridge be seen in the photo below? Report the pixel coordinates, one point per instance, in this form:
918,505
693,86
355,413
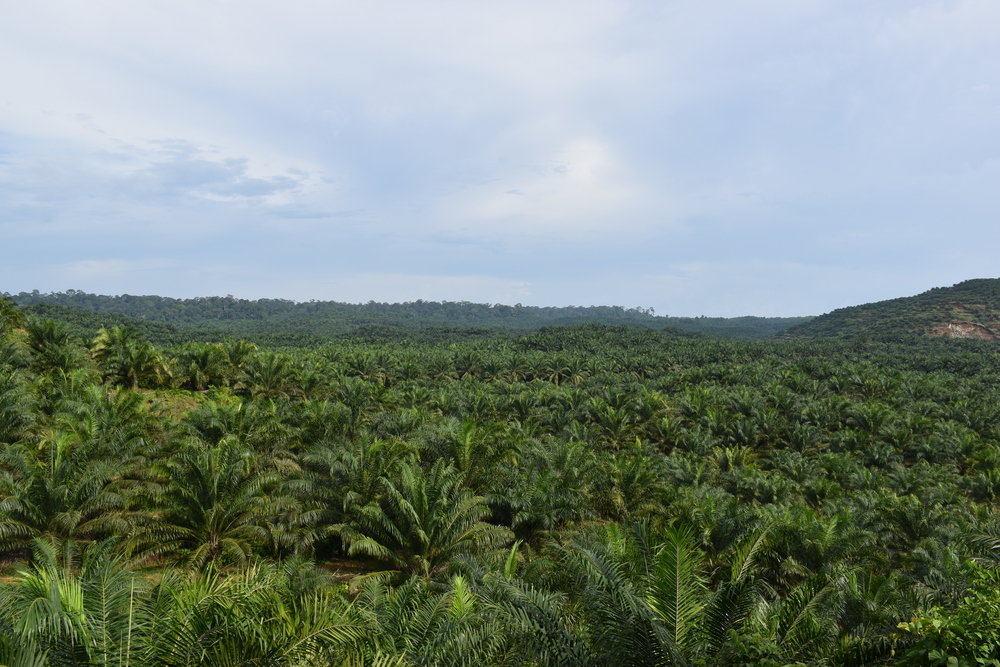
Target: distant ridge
243,317
970,309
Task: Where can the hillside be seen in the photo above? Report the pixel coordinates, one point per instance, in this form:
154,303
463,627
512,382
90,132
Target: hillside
330,319
970,309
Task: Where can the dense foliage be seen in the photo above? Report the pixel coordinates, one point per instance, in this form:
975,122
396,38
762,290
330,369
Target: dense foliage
270,317
586,495
973,302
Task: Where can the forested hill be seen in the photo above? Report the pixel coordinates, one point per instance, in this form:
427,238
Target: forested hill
970,309
243,317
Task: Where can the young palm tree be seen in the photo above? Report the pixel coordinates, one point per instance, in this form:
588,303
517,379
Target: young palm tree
128,360
65,610
251,617
215,503
62,490
422,520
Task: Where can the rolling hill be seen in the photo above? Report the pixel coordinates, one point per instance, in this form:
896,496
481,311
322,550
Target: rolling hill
243,318
970,309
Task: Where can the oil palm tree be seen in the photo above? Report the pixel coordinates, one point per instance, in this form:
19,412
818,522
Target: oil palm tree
271,376
71,610
212,504
478,452
54,345
247,617
11,316
16,408
422,520
63,490
125,358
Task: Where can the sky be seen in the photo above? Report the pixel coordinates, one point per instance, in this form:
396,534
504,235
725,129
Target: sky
701,157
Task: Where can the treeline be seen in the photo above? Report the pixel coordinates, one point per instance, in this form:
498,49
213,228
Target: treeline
245,317
589,495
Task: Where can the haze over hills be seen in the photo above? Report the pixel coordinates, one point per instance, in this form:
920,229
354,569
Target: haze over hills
969,309
210,318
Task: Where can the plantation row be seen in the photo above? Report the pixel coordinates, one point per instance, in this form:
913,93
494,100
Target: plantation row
587,495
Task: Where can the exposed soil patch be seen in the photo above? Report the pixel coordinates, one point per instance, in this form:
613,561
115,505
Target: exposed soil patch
963,330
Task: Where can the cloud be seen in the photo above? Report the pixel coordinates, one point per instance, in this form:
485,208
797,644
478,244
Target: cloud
179,169
104,269
409,287
579,189
577,150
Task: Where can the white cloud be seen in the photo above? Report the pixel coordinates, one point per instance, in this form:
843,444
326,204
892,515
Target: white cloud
104,269
449,140
583,188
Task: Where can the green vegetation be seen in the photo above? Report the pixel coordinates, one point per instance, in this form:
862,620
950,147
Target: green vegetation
284,322
970,309
593,494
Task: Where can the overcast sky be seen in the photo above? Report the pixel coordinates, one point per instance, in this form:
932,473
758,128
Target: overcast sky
774,157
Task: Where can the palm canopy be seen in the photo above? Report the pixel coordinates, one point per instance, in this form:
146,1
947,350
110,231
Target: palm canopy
250,617
59,491
422,520
126,359
214,503
68,610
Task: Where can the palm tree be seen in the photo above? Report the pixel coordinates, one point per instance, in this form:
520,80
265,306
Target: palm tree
422,521
65,610
554,491
16,408
54,345
63,490
251,617
257,426
203,365
271,376
239,356
350,477
11,316
127,359
215,503
632,485
478,452
418,623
